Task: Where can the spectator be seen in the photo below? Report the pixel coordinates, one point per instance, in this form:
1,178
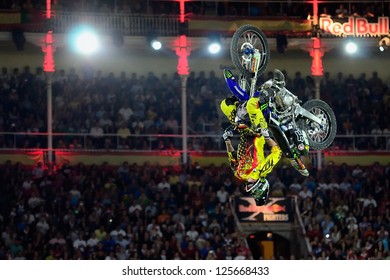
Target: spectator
38,171
164,184
192,233
80,242
341,11
106,123
42,226
92,241
369,201
123,131
305,193
135,207
325,12
96,132
222,195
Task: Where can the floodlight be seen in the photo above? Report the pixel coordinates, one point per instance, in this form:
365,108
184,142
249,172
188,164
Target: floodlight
351,47
84,40
156,44
215,47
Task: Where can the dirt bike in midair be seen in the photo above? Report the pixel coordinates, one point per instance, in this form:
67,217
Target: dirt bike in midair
297,128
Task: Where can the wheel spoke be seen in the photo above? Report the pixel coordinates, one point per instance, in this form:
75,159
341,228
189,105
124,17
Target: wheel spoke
249,43
318,133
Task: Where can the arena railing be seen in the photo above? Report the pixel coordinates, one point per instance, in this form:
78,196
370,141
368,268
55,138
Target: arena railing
125,24
151,142
139,24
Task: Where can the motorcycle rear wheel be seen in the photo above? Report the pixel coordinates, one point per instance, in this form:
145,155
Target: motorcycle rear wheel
319,137
244,41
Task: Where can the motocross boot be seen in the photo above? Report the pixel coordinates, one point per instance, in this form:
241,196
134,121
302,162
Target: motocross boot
300,139
259,190
299,166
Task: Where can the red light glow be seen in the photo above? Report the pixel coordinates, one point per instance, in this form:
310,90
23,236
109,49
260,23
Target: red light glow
315,11
183,53
48,63
48,49
48,9
316,53
182,10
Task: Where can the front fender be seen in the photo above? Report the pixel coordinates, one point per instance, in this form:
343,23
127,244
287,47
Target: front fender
234,88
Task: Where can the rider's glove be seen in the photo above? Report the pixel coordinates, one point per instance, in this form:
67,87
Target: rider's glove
227,135
264,132
231,100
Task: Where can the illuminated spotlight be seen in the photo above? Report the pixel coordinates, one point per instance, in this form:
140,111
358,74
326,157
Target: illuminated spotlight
156,44
351,47
85,40
215,47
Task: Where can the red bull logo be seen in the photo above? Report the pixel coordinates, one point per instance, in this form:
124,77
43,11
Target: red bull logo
356,26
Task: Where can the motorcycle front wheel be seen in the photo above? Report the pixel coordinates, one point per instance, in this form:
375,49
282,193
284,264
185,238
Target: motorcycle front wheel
245,41
319,136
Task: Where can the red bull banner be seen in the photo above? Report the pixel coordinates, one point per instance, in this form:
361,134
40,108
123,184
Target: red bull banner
278,209
355,26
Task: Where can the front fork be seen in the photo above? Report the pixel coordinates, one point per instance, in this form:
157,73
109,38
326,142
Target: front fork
255,63
240,89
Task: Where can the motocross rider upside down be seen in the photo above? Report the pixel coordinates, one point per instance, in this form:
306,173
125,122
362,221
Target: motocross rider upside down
249,162
250,110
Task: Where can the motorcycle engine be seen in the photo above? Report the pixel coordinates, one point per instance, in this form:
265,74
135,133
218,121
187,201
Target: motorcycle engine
284,99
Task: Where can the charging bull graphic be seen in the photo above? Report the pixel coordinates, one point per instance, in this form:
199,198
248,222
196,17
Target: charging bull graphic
276,210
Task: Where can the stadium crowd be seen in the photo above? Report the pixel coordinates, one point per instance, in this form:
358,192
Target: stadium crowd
346,211
163,212
126,111
123,212
155,212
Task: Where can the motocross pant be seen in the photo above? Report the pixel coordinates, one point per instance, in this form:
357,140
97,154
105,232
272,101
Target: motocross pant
254,164
250,153
255,114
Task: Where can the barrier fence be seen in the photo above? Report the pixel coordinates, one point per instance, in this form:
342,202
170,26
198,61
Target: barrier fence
149,142
125,24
